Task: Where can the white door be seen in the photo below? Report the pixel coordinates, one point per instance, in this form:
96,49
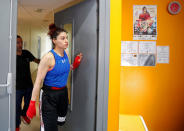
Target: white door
8,21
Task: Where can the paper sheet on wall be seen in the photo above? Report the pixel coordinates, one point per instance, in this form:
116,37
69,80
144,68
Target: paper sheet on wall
146,60
162,54
129,59
129,46
138,53
147,47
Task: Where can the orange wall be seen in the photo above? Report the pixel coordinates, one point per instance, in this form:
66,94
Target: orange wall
156,93
114,67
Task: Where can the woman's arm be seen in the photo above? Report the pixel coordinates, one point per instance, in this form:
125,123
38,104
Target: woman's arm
43,67
46,63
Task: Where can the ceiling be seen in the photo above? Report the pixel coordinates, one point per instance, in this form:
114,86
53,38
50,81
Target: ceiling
41,11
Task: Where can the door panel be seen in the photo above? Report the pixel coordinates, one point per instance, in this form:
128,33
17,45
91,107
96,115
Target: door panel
84,79
69,29
7,64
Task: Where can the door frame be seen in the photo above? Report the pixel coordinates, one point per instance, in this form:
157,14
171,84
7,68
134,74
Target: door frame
103,65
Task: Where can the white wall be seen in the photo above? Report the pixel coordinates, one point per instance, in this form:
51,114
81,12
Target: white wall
30,32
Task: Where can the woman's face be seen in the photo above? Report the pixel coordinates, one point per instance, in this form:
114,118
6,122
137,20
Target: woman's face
144,10
61,41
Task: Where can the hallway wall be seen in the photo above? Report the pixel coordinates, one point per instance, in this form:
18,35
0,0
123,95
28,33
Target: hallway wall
30,33
156,93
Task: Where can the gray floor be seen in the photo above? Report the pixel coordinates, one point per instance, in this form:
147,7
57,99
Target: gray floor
35,123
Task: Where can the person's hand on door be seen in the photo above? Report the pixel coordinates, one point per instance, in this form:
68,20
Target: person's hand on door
77,61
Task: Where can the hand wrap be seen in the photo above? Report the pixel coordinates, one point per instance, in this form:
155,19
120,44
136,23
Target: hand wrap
31,112
76,62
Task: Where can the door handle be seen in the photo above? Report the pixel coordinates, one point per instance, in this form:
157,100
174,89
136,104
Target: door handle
8,84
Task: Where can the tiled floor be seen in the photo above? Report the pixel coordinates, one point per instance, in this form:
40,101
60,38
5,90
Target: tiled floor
35,123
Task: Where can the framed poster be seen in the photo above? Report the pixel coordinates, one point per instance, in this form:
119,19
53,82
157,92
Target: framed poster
144,22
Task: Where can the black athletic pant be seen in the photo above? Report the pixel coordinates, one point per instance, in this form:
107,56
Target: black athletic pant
26,93
54,106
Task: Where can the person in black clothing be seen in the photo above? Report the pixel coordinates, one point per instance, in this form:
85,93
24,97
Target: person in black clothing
24,83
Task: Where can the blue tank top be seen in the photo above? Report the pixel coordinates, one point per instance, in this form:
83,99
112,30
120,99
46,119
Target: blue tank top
58,76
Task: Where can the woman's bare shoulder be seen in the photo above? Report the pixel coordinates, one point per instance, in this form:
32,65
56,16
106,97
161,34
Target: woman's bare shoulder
48,58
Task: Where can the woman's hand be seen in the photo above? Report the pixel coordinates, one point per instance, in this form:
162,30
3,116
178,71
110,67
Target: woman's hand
80,55
77,61
31,112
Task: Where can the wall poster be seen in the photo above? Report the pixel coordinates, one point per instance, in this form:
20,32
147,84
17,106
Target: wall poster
138,53
144,22
163,54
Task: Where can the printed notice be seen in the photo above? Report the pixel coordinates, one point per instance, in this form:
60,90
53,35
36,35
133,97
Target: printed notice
147,47
162,54
129,46
129,59
146,60
138,53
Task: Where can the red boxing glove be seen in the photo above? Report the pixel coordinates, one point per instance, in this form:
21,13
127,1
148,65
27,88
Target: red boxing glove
76,62
31,112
